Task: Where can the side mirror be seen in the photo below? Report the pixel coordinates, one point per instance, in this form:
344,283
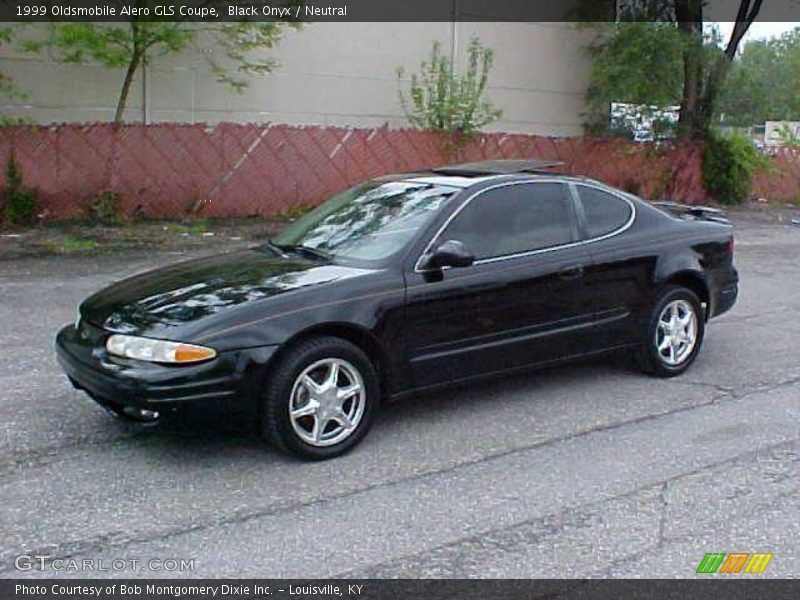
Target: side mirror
451,253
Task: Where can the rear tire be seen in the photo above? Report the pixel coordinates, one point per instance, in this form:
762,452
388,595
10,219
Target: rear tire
674,333
320,399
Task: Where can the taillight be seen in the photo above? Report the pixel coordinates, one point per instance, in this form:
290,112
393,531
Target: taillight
730,245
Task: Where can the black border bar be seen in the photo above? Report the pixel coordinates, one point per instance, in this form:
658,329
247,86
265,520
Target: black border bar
210,11
714,586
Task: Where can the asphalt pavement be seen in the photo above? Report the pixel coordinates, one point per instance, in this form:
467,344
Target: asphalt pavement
587,470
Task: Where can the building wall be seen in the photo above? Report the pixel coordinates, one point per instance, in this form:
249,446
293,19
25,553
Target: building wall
329,74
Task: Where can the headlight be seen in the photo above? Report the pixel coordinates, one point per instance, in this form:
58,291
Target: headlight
159,351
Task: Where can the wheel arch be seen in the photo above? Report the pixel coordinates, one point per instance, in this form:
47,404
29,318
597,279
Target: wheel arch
696,282
681,266
357,335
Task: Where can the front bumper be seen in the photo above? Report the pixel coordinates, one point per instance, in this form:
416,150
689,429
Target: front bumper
119,383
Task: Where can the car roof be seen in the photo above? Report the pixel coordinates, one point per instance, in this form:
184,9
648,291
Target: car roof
465,175
445,180
464,182
506,166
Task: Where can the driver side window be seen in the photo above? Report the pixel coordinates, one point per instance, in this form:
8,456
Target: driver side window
513,219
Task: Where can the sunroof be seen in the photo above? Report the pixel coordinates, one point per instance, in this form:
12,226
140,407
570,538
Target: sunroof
498,167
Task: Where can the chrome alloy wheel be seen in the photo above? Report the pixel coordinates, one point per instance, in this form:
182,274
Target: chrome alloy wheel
676,333
327,402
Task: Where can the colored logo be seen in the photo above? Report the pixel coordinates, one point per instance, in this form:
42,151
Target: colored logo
735,562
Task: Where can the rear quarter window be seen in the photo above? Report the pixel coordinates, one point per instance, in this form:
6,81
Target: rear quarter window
604,212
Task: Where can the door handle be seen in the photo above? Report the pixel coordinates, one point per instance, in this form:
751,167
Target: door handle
571,272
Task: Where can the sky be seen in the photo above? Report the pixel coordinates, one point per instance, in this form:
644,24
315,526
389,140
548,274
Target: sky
758,30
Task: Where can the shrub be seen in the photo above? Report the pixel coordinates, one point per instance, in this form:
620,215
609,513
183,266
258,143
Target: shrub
20,204
293,212
7,121
729,163
106,208
440,99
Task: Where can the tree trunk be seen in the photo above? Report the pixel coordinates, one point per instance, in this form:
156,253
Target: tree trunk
689,14
707,105
748,11
133,65
690,97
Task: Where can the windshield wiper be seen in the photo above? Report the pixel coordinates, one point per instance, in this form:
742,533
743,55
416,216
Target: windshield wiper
273,246
301,249
315,252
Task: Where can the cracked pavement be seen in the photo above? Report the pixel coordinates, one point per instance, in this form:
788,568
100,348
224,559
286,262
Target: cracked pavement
587,470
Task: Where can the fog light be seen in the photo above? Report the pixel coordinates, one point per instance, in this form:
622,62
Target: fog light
141,414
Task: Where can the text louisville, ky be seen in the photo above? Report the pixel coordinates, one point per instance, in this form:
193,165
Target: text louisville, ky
179,591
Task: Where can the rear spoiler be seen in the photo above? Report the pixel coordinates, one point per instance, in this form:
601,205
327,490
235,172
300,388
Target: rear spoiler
703,213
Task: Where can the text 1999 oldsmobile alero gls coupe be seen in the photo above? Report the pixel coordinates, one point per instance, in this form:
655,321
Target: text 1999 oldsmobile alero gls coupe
402,284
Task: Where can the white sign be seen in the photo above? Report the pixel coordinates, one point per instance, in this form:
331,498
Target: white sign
779,133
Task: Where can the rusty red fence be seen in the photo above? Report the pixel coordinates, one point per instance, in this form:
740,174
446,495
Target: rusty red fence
172,170
782,180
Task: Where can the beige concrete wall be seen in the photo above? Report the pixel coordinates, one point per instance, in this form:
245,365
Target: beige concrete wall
329,74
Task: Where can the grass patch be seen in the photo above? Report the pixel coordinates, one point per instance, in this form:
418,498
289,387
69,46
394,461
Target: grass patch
292,213
194,228
76,244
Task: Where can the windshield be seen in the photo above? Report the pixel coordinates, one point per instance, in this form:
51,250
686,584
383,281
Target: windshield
369,222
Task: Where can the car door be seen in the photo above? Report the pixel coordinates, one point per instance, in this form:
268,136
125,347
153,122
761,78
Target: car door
523,301
619,274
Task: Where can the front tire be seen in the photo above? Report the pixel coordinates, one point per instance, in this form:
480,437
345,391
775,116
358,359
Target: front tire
674,333
320,399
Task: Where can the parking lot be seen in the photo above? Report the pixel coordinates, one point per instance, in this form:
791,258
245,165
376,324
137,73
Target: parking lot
588,470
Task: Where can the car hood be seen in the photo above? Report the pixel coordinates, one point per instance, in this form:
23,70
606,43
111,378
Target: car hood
194,290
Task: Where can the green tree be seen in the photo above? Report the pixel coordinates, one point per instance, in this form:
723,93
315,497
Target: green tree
705,72
764,82
637,63
441,99
794,73
129,45
7,87
746,98
658,43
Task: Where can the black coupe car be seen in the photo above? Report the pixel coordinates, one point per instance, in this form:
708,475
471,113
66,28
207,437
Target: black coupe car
402,284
